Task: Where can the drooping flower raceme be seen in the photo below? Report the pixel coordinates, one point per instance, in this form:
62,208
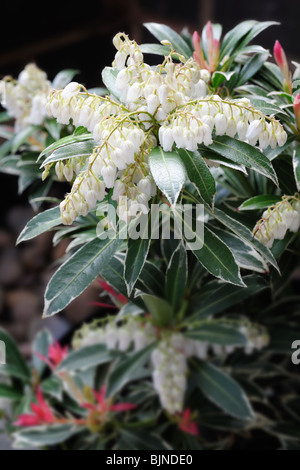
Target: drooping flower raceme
25,98
277,219
169,359
168,105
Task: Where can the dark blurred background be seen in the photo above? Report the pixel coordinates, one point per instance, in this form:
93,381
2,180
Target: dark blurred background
79,35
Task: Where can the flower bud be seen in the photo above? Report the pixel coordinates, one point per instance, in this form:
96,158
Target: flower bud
72,89
297,109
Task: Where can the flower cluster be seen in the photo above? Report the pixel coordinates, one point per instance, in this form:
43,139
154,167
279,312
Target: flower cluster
133,332
170,102
194,123
25,98
169,358
169,363
277,219
119,158
156,91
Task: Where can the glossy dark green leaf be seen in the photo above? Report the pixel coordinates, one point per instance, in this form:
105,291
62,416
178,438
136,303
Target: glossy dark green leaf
41,345
109,76
151,279
136,256
242,232
15,362
217,333
244,254
176,277
45,435
63,78
251,67
217,296
234,36
216,257
223,390
69,139
125,369
244,154
77,273
76,149
199,174
168,172
21,137
40,224
296,166
162,32
157,49
142,440
10,392
160,310
259,202
85,357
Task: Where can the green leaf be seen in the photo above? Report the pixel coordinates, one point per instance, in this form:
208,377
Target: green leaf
296,166
141,440
168,172
69,139
24,181
4,116
77,273
40,224
244,254
285,430
15,362
271,154
199,174
219,77
22,137
176,278
233,37
265,105
109,76
85,357
242,232
41,345
257,28
160,310
45,435
281,339
217,333
9,165
63,78
53,387
215,256
136,256
259,202
127,368
76,149
251,67
113,274
8,391
157,49
152,279
217,296
224,391
244,154
162,32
